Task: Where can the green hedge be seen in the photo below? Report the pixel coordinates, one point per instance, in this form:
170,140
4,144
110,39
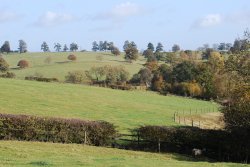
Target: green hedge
31,128
221,145
41,79
8,75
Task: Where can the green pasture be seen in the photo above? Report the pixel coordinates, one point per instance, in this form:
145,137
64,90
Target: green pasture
60,65
126,109
33,154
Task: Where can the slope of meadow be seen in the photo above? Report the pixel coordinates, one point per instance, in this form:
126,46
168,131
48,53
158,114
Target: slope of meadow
13,153
126,109
60,65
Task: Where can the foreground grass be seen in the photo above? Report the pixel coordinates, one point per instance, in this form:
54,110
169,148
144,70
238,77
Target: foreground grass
60,66
13,153
126,109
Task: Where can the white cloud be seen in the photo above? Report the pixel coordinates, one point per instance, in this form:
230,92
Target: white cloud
208,21
234,18
121,12
52,19
8,16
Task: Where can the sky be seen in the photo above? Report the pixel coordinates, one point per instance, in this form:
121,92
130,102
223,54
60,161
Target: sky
188,23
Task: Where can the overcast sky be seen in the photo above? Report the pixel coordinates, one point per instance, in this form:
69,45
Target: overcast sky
189,23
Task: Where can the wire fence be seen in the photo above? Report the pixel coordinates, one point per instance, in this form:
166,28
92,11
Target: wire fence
193,117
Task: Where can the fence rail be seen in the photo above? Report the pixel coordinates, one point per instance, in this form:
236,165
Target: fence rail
192,117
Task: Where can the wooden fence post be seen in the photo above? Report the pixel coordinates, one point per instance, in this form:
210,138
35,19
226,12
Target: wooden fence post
179,119
85,137
192,123
138,139
159,145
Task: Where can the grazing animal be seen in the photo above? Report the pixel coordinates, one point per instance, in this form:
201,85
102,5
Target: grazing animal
198,152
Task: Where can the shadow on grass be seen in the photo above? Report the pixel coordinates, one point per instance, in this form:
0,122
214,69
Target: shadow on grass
122,61
39,163
185,157
63,62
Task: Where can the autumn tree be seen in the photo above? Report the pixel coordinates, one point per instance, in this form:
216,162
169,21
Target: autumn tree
115,51
4,66
157,82
145,76
131,53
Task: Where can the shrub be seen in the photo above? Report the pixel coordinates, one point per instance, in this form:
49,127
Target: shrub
192,89
41,79
108,74
157,83
31,128
8,75
23,64
72,57
221,145
4,66
75,77
115,51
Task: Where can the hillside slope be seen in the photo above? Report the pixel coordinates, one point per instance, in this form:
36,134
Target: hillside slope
29,154
126,109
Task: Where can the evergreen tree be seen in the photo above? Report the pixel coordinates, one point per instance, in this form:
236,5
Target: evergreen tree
95,46
151,46
73,47
159,47
65,48
58,47
5,47
45,47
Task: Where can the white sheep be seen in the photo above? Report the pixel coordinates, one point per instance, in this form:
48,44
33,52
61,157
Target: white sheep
197,152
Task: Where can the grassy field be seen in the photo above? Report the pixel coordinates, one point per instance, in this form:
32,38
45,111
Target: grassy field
126,109
60,66
28,154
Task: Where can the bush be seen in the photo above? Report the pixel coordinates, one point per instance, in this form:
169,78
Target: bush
4,66
192,89
23,64
8,75
108,74
75,77
31,128
72,57
219,144
41,79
